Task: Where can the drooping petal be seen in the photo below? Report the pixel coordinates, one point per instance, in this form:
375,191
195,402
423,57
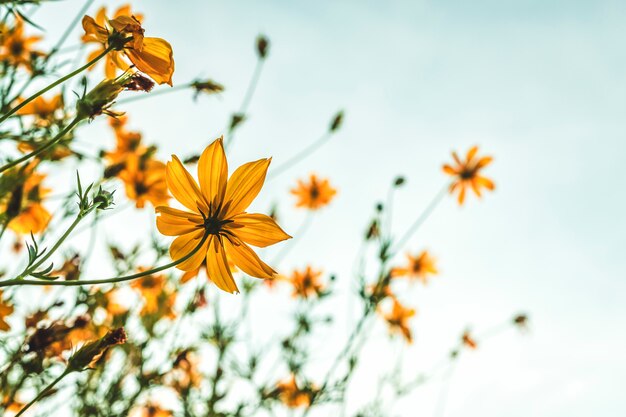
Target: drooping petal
213,172
217,267
244,185
183,245
257,229
155,59
182,186
246,260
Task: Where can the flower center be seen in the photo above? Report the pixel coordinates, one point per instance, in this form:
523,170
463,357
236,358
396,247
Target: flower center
214,225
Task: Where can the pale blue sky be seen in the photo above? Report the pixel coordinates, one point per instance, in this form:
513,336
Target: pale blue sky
541,85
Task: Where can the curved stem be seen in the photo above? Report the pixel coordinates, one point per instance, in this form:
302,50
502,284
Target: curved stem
54,84
43,148
44,392
300,156
419,221
12,282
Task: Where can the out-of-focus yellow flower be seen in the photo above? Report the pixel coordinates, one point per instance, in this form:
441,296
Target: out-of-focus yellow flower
151,410
31,216
184,373
144,180
16,48
306,283
292,395
315,194
419,267
467,174
6,310
43,109
398,319
468,340
152,56
218,208
128,142
158,298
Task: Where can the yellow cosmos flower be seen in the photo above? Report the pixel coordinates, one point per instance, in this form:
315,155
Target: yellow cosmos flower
6,310
152,56
306,283
144,180
467,174
33,217
151,410
292,395
419,267
217,208
398,319
43,109
16,48
315,194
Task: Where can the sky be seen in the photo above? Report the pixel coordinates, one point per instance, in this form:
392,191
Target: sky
540,85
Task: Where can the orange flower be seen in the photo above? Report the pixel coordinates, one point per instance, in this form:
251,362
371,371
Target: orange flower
467,174
185,373
306,283
468,340
151,410
314,195
398,319
217,208
17,49
43,109
158,297
32,216
152,56
128,142
419,267
293,396
144,180
6,310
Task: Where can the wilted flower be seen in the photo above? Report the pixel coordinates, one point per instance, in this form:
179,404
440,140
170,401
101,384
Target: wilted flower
152,56
398,319
419,267
315,194
217,209
467,174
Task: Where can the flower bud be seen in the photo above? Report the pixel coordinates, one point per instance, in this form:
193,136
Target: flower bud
337,121
262,46
103,199
89,353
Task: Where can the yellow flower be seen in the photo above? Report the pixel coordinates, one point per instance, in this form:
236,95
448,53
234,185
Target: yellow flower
32,216
17,49
306,283
43,109
419,267
314,195
292,395
467,174
398,319
144,180
217,208
151,410
158,297
152,56
6,310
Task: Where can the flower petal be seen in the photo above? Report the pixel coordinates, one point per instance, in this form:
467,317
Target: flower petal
244,185
257,229
217,267
213,172
183,245
156,59
246,260
172,225
182,186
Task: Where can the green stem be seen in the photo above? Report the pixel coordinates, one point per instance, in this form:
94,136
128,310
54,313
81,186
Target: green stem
14,281
155,93
43,148
44,392
58,243
54,84
300,156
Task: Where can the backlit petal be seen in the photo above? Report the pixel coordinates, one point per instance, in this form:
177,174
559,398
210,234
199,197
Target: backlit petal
217,267
182,186
246,260
213,172
257,229
183,245
155,59
244,185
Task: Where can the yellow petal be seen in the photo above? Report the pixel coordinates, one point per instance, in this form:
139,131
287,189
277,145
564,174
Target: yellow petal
244,185
171,225
213,172
257,229
155,59
217,267
183,245
246,260
182,186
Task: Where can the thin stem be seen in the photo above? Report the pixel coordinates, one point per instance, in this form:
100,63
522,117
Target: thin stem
54,84
420,220
58,243
155,93
300,155
44,392
69,28
12,282
43,148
